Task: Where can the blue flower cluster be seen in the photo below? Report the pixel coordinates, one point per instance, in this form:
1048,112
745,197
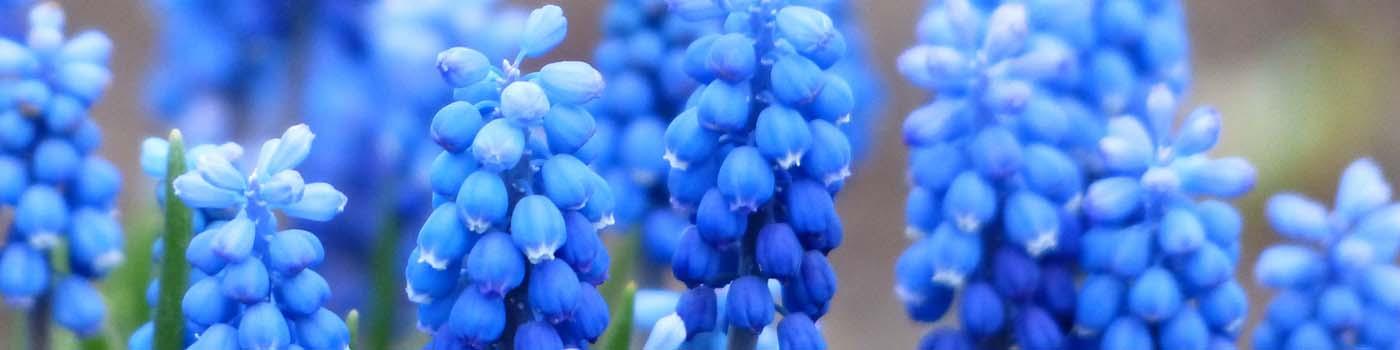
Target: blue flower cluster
757,156
511,254
1161,261
993,208
252,285
1050,151
59,192
643,56
1337,281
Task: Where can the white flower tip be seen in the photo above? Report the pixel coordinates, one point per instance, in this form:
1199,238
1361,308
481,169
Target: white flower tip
44,240
415,296
107,261
949,278
675,162
607,220
1043,242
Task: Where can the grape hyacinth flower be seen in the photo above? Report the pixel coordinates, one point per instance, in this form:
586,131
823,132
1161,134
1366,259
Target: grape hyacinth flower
1336,277
994,205
757,156
510,255
60,192
252,285
1160,261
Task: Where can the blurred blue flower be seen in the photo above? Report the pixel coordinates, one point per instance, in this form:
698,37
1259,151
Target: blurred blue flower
995,191
1336,274
58,189
512,246
1050,116
641,54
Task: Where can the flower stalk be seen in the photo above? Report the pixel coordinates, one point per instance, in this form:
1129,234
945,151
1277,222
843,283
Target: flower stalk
170,322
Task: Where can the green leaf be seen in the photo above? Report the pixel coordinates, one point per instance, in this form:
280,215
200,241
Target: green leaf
384,279
619,333
619,293
352,321
174,272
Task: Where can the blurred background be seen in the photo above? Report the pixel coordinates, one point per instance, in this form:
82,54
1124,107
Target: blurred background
1305,86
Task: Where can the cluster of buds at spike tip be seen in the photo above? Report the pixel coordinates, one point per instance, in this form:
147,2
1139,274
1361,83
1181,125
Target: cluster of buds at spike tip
58,191
252,283
511,252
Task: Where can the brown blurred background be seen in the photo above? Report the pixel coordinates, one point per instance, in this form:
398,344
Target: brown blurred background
1305,87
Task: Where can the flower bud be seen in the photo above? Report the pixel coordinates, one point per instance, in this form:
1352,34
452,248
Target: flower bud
698,309
455,126
264,327
499,145
483,201
569,128
477,319
462,66
797,332
544,29
571,82
782,136
537,228
303,294
565,180
554,289
494,265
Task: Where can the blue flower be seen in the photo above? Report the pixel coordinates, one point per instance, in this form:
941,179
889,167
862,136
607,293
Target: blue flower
1335,272
60,192
517,228
1043,123
254,285
758,153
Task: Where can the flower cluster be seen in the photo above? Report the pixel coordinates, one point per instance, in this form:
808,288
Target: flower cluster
992,209
252,285
1337,281
757,156
1036,100
60,192
642,55
511,252
1160,261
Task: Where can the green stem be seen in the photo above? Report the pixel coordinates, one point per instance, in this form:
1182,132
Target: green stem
174,272
96,342
381,308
